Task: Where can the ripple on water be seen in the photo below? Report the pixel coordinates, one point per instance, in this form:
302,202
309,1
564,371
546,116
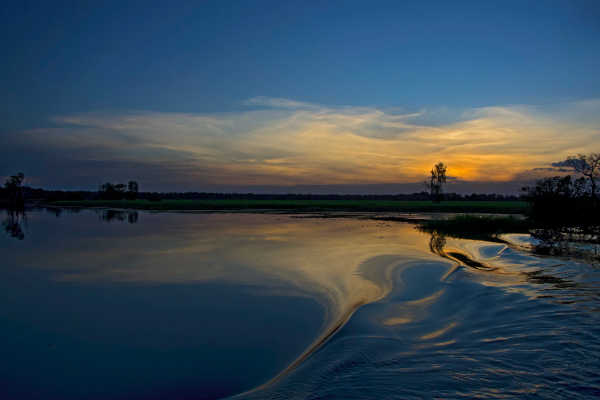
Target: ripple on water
496,333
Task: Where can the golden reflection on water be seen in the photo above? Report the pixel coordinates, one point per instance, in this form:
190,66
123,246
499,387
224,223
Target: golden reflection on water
411,311
396,321
319,256
439,332
337,262
342,262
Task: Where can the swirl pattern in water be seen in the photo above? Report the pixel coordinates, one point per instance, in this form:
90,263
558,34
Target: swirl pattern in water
185,305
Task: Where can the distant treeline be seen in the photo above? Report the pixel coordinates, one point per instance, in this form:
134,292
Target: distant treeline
43,195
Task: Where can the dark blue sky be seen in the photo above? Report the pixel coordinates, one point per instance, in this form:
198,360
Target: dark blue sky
66,58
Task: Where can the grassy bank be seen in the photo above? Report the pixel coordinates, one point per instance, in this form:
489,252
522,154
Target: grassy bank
500,207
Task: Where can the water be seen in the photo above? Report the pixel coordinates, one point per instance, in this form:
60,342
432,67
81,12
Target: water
139,305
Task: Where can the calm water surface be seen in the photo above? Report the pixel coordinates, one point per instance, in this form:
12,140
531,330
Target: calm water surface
101,304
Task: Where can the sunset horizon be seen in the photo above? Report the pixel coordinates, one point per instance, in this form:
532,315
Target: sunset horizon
299,199
232,99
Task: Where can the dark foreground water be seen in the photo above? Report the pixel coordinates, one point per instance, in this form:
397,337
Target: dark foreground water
100,304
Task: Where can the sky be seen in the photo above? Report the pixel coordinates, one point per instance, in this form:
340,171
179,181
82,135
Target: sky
299,96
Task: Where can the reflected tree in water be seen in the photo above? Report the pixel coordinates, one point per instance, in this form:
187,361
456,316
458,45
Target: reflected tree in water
56,211
572,242
15,214
437,243
132,217
119,216
14,222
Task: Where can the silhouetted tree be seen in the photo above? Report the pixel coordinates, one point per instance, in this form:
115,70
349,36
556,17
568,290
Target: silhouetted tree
132,190
563,211
437,179
14,190
109,191
562,201
586,165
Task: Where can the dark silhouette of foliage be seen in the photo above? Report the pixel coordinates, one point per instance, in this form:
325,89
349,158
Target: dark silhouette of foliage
437,179
110,191
564,211
561,202
14,191
118,191
40,196
586,165
132,190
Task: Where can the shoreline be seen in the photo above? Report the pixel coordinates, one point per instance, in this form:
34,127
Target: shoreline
291,206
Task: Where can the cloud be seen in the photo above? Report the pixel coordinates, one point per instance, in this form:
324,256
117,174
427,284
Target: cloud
286,142
571,164
275,102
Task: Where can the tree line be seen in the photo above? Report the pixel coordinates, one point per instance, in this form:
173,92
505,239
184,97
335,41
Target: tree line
119,191
13,194
564,193
568,206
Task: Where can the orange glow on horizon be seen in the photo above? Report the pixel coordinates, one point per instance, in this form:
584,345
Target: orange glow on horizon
320,145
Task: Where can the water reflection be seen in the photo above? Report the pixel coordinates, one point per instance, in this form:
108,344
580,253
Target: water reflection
566,242
183,305
437,243
503,264
15,220
500,323
56,211
14,223
119,216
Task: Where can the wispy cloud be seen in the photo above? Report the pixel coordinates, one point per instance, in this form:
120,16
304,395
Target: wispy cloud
285,142
276,102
